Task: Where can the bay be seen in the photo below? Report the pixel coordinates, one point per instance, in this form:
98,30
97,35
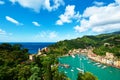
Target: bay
103,72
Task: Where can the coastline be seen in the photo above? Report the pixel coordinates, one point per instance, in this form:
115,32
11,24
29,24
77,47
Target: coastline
108,59
104,63
101,59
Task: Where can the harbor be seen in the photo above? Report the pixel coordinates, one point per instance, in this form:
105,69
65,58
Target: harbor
81,63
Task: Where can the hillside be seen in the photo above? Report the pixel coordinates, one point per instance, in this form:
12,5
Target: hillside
102,43
16,65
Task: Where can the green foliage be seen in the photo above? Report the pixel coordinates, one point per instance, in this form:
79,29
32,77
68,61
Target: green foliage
11,55
60,76
96,42
86,76
14,65
23,72
35,73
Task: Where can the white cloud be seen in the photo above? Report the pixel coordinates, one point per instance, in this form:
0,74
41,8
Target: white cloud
12,20
36,23
107,28
68,15
85,26
2,2
57,3
98,3
47,4
36,5
100,19
118,1
2,32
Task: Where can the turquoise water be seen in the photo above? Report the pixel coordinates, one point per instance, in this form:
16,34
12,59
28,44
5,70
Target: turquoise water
82,62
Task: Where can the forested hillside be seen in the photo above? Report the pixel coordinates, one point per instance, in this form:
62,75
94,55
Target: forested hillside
101,43
15,65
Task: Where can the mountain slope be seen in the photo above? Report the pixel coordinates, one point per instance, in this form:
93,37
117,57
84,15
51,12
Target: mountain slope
98,41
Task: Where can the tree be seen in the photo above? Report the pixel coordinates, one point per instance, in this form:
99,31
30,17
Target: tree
86,76
23,72
35,73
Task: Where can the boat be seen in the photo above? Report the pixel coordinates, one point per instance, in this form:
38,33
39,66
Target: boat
72,70
81,66
65,72
96,64
79,69
73,56
104,67
88,62
99,65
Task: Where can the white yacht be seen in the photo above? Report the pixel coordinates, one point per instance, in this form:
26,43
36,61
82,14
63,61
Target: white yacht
104,67
73,56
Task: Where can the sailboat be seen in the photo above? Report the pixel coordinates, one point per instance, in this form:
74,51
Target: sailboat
81,67
72,70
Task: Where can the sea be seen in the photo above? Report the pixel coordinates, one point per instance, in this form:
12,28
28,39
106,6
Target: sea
33,46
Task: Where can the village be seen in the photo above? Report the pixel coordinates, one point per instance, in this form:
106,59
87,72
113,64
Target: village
108,59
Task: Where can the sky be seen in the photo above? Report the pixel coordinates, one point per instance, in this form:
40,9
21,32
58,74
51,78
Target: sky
55,20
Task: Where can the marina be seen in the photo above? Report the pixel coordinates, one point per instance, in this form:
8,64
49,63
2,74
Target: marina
81,63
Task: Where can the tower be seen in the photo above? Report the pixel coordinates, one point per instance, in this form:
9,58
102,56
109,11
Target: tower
39,52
